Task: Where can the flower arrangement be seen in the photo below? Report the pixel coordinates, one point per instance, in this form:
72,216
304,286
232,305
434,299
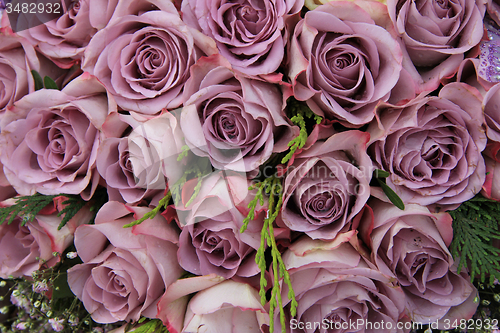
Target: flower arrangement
249,166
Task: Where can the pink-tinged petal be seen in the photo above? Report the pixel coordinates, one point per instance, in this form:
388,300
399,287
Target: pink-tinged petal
172,305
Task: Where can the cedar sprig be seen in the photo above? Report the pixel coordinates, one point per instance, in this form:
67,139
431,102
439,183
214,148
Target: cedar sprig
26,207
475,225
273,188
299,113
74,204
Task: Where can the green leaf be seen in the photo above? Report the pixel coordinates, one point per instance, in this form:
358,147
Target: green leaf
152,326
38,79
395,199
49,83
381,173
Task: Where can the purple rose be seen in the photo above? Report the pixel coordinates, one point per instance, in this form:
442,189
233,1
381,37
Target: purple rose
211,241
49,138
63,39
251,35
491,107
414,244
125,271
436,34
327,185
17,59
491,186
134,166
236,121
144,59
27,248
493,7
432,146
342,63
336,285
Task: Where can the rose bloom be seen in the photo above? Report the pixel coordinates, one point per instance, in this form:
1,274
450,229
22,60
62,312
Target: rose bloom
17,59
414,244
342,63
491,106
135,165
49,138
211,241
491,186
236,121
144,59
432,146
328,185
436,34
333,283
27,248
63,39
251,35
125,270
493,7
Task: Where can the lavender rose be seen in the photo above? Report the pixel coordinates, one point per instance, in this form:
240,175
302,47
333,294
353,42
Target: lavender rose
27,248
211,241
17,59
144,59
436,34
493,7
491,105
236,121
125,271
64,39
328,185
342,63
250,35
414,244
432,146
135,166
334,284
491,186
50,138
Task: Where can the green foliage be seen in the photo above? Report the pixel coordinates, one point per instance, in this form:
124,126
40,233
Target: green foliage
272,187
299,113
475,226
198,170
149,215
151,326
26,208
74,204
46,82
49,83
184,153
38,79
379,176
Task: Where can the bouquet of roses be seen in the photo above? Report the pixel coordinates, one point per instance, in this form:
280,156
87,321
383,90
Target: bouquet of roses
249,165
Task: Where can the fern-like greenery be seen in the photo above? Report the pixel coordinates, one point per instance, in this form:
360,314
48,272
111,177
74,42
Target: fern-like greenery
273,188
26,207
475,226
151,326
299,113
